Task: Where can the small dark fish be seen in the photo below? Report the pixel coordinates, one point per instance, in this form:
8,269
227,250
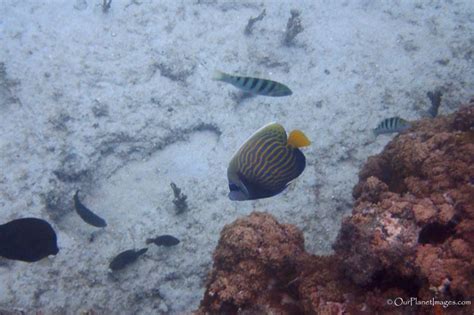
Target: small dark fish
266,163
27,239
391,125
163,240
254,85
435,98
125,258
87,215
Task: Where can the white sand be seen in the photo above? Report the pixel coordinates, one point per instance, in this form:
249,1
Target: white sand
121,104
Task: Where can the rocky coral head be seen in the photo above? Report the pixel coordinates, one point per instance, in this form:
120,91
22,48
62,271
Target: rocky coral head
415,211
254,261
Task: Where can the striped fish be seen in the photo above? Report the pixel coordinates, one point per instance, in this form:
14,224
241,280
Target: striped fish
266,163
254,85
391,125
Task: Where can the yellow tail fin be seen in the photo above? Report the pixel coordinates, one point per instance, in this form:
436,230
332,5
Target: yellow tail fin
298,139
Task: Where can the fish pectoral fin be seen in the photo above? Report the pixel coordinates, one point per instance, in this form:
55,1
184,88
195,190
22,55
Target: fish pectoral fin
298,139
291,184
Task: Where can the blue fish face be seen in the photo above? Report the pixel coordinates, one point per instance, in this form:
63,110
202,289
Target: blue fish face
237,192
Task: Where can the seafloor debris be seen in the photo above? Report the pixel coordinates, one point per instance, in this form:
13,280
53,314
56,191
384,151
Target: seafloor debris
79,5
174,70
55,202
293,27
435,98
252,21
410,236
6,87
106,5
179,200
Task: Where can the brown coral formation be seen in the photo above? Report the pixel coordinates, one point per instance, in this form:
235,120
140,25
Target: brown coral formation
414,212
410,236
253,265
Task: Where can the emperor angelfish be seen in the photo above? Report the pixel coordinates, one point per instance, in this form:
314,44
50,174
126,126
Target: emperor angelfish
254,85
266,163
391,125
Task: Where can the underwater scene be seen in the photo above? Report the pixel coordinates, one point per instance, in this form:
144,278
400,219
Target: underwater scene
236,157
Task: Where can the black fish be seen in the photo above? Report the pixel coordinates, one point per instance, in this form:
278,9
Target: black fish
435,98
87,215
125,258
163,240
27,239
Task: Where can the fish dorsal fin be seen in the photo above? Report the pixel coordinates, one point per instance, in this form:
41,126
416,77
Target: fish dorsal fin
298,139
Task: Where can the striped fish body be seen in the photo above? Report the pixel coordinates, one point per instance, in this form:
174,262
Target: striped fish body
391,125
254,85
264,165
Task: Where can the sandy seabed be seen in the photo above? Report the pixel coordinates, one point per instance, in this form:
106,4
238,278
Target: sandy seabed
119,104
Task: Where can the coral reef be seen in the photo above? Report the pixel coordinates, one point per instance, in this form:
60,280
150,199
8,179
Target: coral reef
408,242
415,211
253,264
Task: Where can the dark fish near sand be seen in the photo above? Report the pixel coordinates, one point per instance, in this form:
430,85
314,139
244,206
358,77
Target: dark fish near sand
254,85
125,258
27,239
163,240
435,98
391,125
87,215
266,163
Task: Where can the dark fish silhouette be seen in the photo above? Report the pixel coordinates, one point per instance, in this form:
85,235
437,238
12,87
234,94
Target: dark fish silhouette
163,240
254,85
435,98
266,163
87,215
125,258
27,239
